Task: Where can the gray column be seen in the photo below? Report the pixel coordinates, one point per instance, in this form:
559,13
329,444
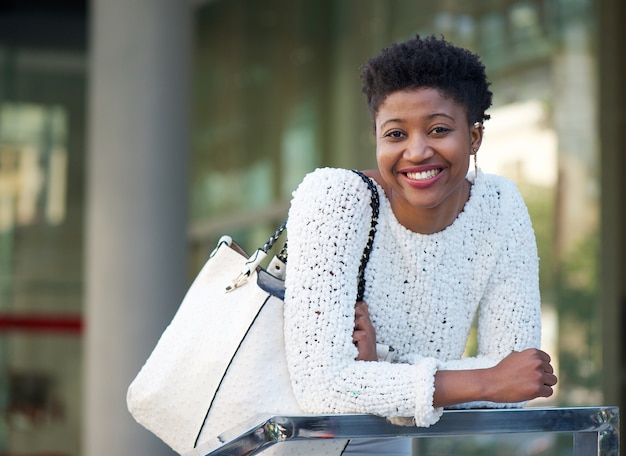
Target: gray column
136,264
612,131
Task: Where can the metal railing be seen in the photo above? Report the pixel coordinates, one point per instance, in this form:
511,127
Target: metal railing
595,429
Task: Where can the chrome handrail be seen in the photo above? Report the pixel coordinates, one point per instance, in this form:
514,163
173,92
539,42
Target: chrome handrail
595,429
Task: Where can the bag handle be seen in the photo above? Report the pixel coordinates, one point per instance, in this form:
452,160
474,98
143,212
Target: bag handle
375,205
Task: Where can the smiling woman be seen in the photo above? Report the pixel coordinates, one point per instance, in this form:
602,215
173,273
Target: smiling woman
449,244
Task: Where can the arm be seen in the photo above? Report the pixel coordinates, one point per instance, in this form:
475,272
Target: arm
519,377
329,221
510,322
508,367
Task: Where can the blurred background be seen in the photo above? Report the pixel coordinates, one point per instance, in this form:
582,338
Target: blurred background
133,133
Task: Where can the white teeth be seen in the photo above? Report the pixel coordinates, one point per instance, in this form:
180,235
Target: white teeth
423,175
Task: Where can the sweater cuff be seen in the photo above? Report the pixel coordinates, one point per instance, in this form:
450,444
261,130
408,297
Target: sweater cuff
425,414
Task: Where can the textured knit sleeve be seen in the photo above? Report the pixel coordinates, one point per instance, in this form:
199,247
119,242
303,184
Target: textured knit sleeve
510,313
509,316
329,220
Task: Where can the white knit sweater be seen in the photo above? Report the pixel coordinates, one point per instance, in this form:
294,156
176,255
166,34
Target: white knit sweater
423,293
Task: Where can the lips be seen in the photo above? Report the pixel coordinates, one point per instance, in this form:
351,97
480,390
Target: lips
423,175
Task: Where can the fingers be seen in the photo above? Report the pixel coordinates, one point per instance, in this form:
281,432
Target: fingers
361,315
539,353
547,368
366,350
360,309
544,356
364,334
528,374
358,336
361,320
550,380
546,391
544,360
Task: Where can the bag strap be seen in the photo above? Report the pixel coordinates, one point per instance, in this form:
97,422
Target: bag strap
274,238
375,205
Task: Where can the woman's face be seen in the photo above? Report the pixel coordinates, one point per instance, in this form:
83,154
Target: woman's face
423,146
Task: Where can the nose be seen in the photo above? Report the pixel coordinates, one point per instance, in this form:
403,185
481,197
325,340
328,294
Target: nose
418,149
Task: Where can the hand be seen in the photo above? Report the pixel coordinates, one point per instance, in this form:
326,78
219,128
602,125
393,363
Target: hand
522,376
364,335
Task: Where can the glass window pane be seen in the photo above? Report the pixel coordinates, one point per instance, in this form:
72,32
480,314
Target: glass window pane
41,218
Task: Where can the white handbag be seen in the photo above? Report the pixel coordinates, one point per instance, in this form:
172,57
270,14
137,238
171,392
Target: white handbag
222,359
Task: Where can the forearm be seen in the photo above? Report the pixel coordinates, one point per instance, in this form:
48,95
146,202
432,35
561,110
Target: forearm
519,377
454,387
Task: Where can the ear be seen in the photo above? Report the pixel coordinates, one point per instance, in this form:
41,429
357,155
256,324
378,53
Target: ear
476,135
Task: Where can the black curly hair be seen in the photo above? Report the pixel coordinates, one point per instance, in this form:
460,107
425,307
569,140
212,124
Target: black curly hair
428,62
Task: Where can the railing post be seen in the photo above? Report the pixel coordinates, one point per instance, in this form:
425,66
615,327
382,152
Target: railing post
602,443
587,444
608,442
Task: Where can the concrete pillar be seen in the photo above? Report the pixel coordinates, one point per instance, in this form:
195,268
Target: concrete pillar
612,131
136,264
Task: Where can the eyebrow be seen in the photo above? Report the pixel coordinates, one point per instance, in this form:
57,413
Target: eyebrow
428,117
440,114
391,121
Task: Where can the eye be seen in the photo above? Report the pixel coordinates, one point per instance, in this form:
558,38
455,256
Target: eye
394,134
440,131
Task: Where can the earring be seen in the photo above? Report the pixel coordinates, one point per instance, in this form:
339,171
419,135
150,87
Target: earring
475,161
475,151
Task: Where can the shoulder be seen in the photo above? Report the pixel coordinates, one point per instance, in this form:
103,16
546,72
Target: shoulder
500,191
332,198
330,184
329,216
503,208
328,176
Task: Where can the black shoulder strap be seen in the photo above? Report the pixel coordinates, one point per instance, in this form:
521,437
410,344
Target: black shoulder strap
375,204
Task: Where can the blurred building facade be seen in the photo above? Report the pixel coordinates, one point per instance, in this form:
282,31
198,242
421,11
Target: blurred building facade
134,133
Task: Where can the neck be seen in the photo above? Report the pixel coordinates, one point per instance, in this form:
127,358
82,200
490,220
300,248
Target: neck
433,220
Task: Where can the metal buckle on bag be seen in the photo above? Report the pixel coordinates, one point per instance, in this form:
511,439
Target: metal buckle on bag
245,273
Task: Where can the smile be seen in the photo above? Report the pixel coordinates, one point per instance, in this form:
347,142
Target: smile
423,175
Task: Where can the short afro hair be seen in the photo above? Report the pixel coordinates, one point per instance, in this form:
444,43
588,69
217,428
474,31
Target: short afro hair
428,62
